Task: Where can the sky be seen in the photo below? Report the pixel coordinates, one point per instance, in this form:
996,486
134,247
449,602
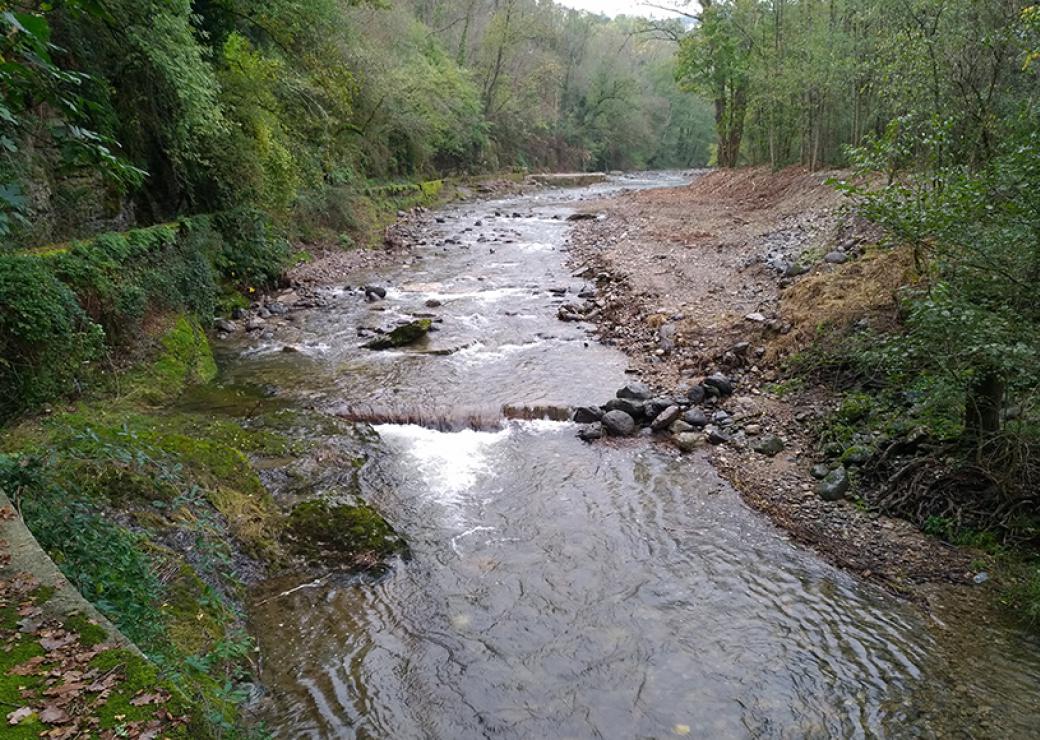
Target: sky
617,7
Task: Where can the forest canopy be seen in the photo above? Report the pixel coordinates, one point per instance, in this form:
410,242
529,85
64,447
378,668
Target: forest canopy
118,113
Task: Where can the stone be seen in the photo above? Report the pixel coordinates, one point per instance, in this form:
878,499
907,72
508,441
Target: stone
794,270
770,445
588,414
402,335
277,309
696,394
753,430
719,382
834,486
433,303
755,317
228,327
591,432
819,471
631,407
679,427
618,423
655,406
716,437
374,292
664,419
835,257
689,441
696,418
255,324
238,313
637,391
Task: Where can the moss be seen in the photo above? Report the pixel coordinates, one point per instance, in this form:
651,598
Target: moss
195,618
141,675
90,633
403,335
342,534
185,359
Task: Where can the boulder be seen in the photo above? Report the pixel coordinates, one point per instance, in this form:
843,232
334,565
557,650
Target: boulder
819,471
664,419
770,445
375,293
618,423
857,455
631,407
228,327
835,257
679,427
716,437
835,485
636,391
591,432
696,394
402,335
588,414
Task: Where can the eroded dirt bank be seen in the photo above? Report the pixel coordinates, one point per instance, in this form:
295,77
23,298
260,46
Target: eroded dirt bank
733,273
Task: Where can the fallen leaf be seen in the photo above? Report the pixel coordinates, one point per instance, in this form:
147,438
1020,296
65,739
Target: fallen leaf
142,699
6,513
53,715
18,715
27,668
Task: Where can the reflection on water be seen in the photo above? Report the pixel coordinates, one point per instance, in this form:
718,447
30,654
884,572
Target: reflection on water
559,589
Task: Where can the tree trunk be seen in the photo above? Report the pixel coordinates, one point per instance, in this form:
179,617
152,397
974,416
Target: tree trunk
983,405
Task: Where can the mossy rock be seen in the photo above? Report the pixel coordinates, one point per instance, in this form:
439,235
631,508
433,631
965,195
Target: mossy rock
342,535
402,336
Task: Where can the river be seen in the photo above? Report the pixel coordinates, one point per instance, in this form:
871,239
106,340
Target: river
561,589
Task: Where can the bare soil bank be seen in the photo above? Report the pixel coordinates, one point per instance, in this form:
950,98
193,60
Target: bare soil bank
732,273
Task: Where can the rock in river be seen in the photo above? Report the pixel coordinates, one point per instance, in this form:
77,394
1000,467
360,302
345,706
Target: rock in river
589,432
618,423
630,406
588,414
834,486
637,391
228,327
403,335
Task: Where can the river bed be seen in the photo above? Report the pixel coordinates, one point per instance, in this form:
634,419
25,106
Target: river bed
561,589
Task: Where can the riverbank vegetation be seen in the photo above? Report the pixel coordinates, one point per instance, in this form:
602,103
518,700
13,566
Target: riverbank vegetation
933,108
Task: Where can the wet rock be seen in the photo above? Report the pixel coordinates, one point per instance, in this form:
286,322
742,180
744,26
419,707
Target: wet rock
696,418
820,471
696,394
633,408
637,391
720,383
289,349
618,423
834,486
835,257
689,441
721,417
277,309
591,432
664,419
770,445
255,324
433,303
228,327
401,336
588,414
568,313
238,313
655,406
374,293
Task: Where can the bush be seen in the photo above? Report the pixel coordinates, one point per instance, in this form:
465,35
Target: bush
251,255
46,339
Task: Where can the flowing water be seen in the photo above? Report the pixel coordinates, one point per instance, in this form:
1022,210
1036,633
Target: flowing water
560,589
